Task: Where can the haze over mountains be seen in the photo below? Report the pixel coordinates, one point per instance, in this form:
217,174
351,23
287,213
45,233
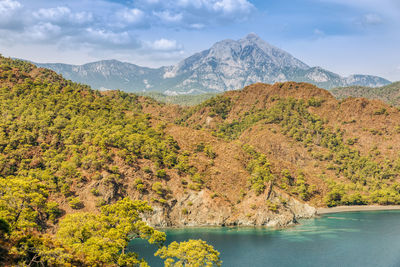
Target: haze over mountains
227,65
389,93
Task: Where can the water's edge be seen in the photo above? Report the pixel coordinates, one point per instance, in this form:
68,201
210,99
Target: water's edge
360,238
288,224
340,209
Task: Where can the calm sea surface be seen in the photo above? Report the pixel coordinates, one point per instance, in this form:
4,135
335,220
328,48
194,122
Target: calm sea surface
344,239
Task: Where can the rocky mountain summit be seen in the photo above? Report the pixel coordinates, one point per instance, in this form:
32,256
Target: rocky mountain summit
227,65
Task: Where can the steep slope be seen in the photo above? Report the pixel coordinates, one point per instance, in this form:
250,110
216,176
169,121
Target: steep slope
324,151
263,155
230,65
227,65
389,93
87,149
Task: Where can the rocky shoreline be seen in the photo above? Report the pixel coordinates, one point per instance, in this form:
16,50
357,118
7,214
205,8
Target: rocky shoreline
220,216
205,212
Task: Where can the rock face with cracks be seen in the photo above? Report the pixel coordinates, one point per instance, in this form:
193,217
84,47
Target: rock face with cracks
204,211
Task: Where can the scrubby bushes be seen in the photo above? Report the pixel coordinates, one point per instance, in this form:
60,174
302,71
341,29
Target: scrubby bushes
296,122
56,136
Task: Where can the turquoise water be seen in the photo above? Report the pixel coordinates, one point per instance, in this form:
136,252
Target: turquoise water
343,239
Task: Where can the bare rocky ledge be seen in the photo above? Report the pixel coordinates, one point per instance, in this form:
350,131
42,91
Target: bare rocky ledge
205,211
209,215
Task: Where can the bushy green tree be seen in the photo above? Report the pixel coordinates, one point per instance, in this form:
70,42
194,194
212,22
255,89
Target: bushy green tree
102,239
192,253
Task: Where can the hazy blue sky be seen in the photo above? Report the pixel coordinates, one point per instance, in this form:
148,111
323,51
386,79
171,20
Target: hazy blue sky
344,36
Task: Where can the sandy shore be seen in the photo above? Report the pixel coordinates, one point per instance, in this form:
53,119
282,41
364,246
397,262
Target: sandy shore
355,208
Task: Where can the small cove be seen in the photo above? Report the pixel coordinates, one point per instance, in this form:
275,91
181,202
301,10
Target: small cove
339,239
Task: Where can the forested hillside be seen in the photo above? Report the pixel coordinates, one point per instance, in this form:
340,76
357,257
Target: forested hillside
182,100
66,148
79,169
389,93
324,151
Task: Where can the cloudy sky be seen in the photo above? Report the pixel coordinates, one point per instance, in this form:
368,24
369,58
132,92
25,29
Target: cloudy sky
344,36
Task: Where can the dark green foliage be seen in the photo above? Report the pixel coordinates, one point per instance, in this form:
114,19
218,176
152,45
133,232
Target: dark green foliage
200,147
302,188
59,128
380,111
158,188
4,227
183,100
271,206
102,239
4,231
56,136
259,169
161,174
302,126
219,105
198,182
209,151
76,203
315,102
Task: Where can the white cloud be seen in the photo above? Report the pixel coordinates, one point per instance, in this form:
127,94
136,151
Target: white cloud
131,16
9,19
107,37
197,26
223,7
371,19
62,14
152,2
83,17
169,17
53,14
319,32
192,13
232,6
183,14
165,45
43,31
8,5
103,25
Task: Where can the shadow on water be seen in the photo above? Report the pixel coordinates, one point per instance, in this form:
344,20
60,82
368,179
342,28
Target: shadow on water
343,239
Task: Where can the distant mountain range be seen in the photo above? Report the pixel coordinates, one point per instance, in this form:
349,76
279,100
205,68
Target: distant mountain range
227,65
389,93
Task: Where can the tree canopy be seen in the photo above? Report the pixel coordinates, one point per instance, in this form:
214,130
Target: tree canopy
192,253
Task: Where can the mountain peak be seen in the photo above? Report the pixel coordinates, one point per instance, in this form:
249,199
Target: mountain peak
252,36
227,65
254,39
